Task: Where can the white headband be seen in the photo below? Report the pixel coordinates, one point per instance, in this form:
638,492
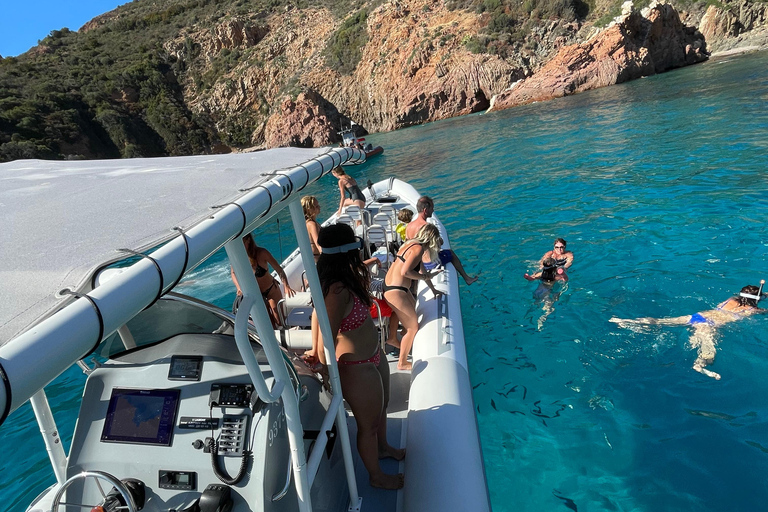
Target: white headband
342,248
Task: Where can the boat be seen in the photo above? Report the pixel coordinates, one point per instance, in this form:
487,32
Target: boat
187,407
350,140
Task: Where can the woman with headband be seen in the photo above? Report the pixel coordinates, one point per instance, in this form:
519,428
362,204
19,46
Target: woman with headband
704,323
363,367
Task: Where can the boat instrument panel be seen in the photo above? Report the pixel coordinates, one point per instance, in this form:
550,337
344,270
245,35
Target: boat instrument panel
180,422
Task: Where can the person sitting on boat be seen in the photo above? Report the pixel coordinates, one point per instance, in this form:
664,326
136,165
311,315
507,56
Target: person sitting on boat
549,274
563,258
405,216
348,185
406,269
311,207
424,208
363,367
261,259
705,323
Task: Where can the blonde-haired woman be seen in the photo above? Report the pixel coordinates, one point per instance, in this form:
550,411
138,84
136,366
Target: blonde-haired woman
407,268
311,207
348,185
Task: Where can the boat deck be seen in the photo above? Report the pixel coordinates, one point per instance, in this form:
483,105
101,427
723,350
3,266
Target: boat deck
380,500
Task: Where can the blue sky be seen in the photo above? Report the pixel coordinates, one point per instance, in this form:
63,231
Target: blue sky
24,22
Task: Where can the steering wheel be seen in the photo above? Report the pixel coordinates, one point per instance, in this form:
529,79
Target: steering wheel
130,504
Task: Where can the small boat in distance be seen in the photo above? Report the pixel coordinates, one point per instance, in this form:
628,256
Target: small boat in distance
350,140
191,408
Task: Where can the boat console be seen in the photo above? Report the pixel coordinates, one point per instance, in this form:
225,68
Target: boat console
179,423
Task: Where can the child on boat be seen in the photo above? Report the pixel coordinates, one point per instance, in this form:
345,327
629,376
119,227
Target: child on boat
405,216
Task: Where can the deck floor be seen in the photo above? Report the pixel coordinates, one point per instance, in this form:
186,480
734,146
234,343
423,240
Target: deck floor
380,500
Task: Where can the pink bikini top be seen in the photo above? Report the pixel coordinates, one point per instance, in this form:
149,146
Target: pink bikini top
356,317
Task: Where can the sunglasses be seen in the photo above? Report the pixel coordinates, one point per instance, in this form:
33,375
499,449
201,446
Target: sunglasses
559,247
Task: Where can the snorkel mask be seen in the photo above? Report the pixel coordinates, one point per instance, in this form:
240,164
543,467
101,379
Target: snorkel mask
754,297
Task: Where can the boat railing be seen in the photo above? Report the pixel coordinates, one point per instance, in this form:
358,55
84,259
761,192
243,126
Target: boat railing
68,335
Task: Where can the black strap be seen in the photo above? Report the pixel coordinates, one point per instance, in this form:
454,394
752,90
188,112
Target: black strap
8,395
306,171
245,217
186,257
157,267
67,291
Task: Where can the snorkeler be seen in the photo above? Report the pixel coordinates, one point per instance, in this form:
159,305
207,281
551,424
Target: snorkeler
548,275
704,323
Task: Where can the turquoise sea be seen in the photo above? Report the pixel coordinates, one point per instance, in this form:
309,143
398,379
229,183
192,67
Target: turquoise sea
659,187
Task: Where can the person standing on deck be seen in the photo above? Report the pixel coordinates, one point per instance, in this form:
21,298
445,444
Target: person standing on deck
424,209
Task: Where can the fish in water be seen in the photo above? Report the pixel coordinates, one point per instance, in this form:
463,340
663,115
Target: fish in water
493,404
568,502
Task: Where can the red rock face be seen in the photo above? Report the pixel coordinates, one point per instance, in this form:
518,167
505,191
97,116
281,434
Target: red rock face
635,47
302,123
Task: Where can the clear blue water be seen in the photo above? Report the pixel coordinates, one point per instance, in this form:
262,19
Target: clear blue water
659,188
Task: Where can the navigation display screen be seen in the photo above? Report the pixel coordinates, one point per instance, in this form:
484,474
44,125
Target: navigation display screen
141,416
185,368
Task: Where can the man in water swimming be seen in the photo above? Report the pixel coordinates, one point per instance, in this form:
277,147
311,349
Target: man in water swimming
424,209
704,324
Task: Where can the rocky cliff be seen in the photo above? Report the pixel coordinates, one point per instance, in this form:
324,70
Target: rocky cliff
195,76
637,44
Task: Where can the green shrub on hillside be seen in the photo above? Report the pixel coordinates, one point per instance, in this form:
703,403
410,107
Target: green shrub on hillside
344,47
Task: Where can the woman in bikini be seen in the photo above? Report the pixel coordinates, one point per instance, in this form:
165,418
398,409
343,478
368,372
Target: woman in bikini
563,258
261,259
348,186
363,367
311,207
705,324
407,268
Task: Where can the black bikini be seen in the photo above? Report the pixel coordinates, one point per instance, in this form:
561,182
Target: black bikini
418,264
415,269
561,263
259,271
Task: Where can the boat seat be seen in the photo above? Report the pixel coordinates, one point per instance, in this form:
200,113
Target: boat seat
378,240
354,212
389,210
346,219
296,311
383,219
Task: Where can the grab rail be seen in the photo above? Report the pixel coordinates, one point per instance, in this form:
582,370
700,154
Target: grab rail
249,359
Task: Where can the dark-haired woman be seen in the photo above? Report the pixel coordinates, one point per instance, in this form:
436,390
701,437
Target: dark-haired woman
550,273
563,258
261,259
363,367
704,324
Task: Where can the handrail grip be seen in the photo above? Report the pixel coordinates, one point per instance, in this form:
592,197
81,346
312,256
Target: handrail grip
249,358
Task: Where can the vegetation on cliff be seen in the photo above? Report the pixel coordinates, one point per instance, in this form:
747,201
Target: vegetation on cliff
197,76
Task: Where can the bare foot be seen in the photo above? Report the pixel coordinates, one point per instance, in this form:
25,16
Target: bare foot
472,279
405,367
392,453
528,277
706,372
385,481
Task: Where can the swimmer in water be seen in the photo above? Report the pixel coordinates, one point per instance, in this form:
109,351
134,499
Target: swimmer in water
705,323
549,275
